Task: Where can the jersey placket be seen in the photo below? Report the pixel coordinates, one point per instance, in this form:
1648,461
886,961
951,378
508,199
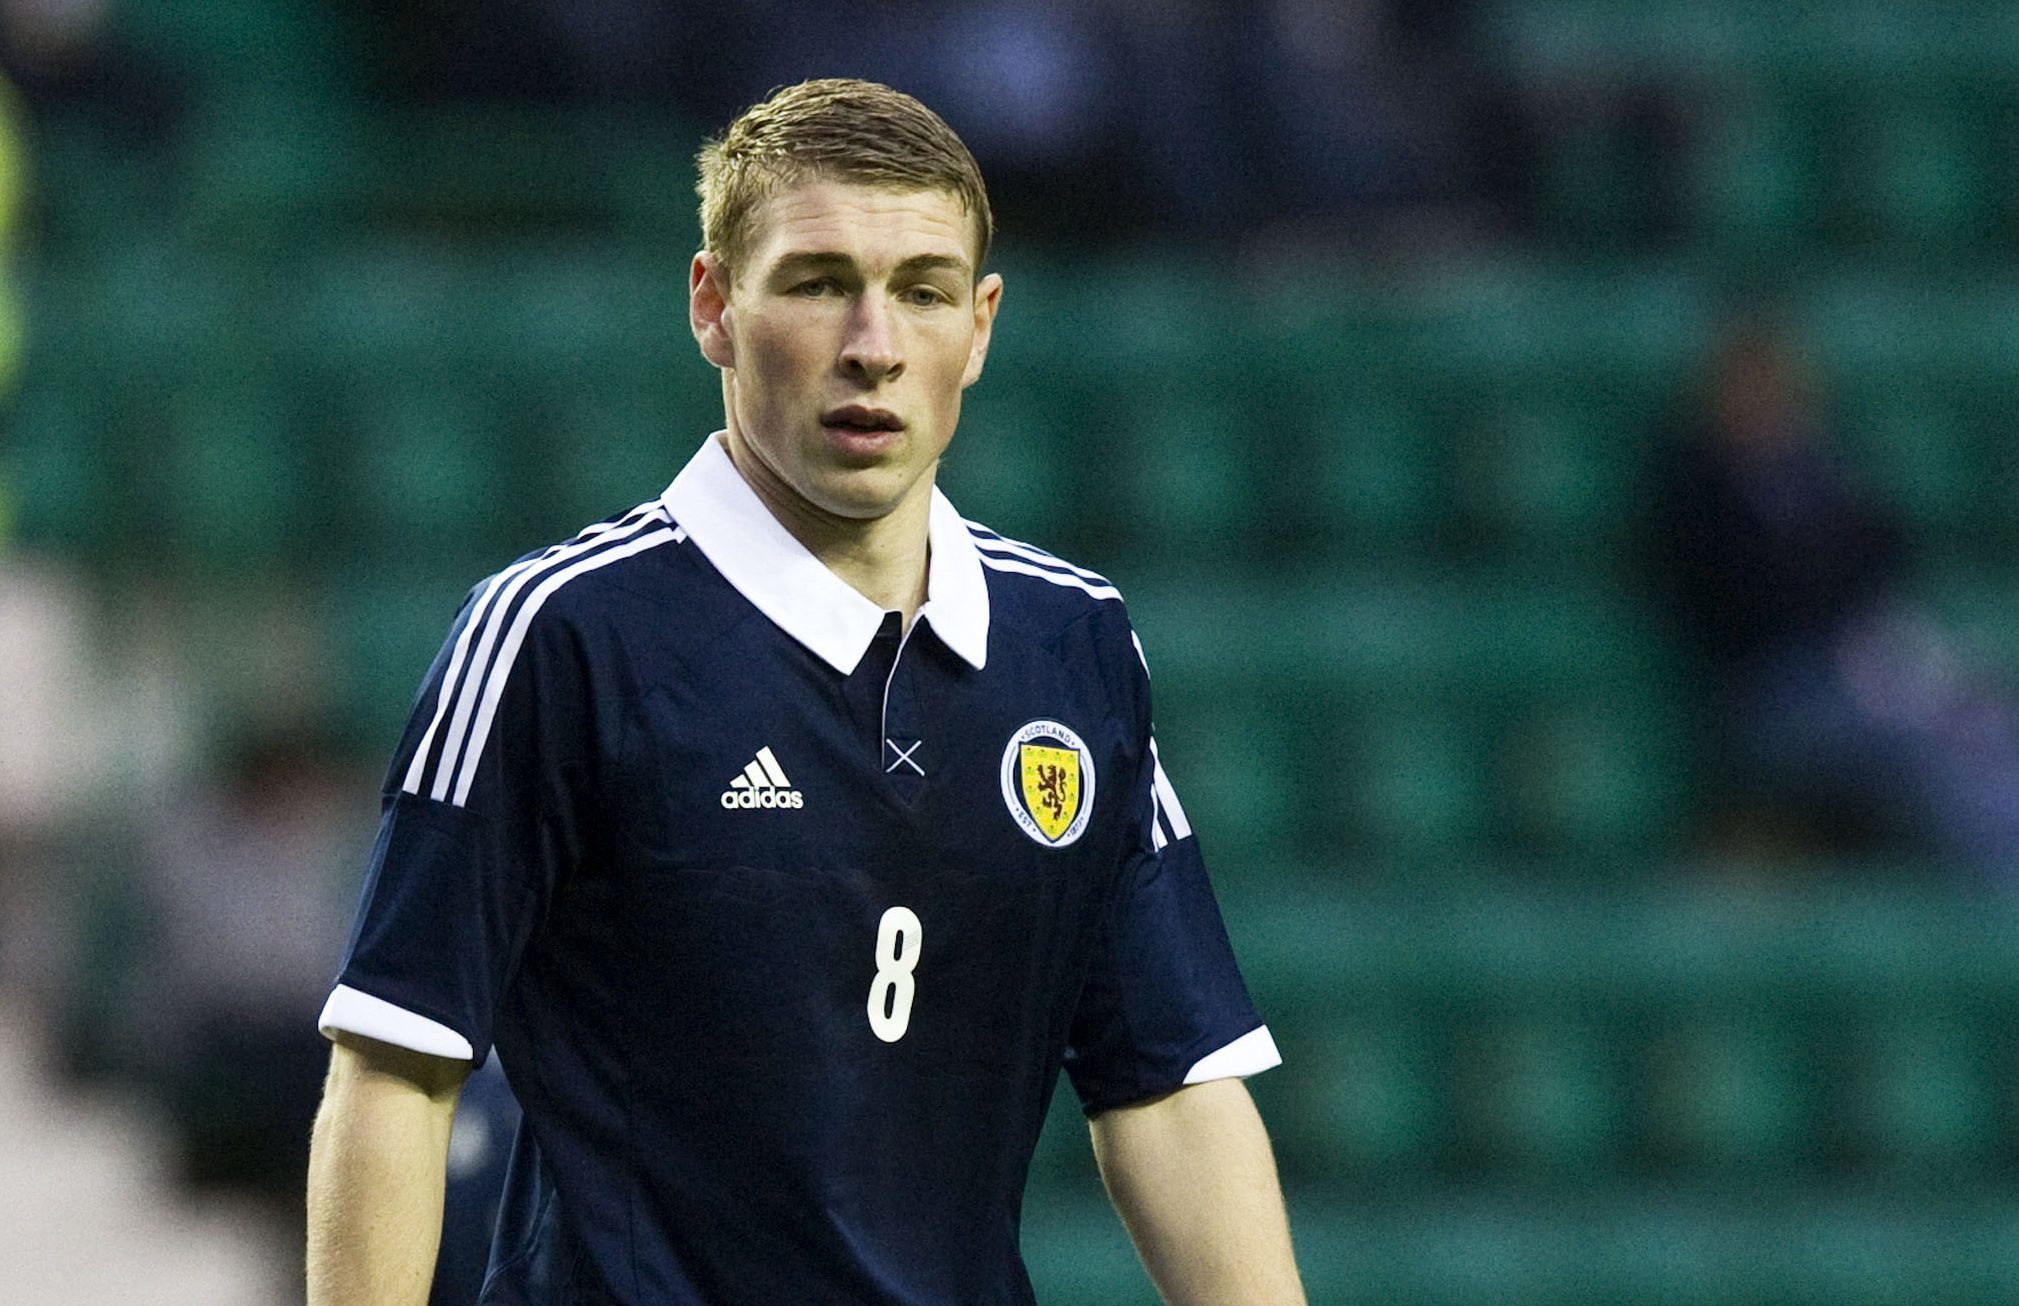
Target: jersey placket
904,763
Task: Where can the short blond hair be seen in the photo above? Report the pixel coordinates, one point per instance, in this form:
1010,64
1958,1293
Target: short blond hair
838,128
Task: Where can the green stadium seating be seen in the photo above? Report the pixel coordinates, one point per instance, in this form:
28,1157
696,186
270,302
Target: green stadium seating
1373,478
1754,186
503,165
1234,773
1733,1100
1595,781
1565,37
381,310
1185,471
230,490
651,156
1920,451
1598,190
272,166
1925,1102
1476,638
586,312
1919,176
105,977
1037,321
384,626
1870,45
606,450
237,43
149,310
1520,320
1876,46
1905,326
1019,463
81,190
61,471
1079,1255
1419,784
1549,474
427,463
1549,1097
1370,1105
1137,319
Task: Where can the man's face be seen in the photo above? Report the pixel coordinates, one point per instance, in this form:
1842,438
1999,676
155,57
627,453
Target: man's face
847,336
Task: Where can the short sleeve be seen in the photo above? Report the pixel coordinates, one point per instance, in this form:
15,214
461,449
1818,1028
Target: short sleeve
480,820
1164,1003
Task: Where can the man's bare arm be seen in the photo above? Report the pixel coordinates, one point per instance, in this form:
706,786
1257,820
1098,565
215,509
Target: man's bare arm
1195,1182
376,1169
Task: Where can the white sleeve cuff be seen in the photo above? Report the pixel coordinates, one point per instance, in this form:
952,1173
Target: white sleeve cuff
361,1013
1249,1054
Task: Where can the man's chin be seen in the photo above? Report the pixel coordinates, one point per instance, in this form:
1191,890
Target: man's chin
855,503
864,493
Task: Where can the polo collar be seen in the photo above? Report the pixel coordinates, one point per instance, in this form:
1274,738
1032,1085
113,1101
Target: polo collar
795,590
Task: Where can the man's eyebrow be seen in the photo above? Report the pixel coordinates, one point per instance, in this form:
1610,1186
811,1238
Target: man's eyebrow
808,259
933,263
813,258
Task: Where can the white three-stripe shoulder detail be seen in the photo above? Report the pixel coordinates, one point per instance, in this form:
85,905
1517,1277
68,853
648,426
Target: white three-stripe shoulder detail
497,594
990,542
1101,591
494,683
472,668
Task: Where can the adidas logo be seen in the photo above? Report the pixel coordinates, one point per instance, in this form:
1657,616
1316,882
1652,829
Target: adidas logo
762,784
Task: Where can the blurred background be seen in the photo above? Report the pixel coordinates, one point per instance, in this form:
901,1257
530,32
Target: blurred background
1559,454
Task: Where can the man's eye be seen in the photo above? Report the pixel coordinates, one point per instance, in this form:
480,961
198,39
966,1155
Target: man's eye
925,296
815,288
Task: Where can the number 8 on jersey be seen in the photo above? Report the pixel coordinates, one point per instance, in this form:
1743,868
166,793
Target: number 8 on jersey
898,936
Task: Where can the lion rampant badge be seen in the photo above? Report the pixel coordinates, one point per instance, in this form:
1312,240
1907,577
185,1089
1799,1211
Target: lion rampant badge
1048,782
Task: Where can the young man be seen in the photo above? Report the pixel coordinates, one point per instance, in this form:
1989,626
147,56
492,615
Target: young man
788,833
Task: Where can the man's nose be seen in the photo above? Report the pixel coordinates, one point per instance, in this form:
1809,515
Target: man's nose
869,351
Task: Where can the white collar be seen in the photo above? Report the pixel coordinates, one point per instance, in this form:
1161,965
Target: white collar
757,555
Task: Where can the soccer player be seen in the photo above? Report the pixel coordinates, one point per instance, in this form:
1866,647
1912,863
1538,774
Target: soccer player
787,834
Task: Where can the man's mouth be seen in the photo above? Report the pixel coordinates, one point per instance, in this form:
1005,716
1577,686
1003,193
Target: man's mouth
856,417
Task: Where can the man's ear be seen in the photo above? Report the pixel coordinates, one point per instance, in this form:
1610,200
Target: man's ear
987,298
708,310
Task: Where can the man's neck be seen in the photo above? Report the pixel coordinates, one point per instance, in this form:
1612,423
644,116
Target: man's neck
884,559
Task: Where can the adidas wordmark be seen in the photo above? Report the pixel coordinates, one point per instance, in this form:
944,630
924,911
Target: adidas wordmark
762,784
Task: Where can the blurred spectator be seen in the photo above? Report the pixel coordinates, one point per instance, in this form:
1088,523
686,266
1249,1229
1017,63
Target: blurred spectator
1843,719
247,896
49,758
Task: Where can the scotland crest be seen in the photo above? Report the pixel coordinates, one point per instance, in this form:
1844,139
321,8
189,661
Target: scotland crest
1048,782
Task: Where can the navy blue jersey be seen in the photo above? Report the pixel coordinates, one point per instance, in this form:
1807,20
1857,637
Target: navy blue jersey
782,918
